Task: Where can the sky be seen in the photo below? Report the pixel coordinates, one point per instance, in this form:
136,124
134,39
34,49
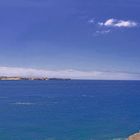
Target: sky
75,37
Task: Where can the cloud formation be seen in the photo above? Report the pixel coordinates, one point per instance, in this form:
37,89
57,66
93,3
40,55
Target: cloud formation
103,32
91,21
74,74
118,23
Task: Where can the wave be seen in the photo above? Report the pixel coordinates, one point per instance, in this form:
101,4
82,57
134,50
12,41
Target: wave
119,139
24,103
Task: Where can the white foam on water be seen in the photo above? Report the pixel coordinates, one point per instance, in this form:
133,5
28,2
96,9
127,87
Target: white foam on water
23,103
119,139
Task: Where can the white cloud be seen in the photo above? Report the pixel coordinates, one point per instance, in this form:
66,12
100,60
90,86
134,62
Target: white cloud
91,21
74,74
118,23
102,32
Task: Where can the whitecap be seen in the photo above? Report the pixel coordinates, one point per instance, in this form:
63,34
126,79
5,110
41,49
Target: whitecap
23,103
119,139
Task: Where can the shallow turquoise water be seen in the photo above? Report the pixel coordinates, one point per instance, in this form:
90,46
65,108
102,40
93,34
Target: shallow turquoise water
69,110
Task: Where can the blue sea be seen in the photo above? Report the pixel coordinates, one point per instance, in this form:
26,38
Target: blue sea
69,110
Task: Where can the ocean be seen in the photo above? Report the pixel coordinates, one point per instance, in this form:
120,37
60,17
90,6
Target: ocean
69,110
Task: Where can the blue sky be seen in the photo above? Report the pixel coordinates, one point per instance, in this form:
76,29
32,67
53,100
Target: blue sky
83,35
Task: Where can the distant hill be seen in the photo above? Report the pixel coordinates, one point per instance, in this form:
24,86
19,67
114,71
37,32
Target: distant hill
28,78
21,78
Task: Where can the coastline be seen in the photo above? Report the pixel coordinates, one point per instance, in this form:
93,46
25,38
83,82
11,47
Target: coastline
5,78
135,136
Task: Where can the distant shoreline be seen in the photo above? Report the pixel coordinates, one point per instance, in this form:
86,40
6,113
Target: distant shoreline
6,78
18,78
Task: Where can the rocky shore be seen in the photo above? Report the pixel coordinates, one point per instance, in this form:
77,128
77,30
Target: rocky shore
134,137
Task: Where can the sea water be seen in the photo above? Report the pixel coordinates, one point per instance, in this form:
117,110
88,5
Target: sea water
69,110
